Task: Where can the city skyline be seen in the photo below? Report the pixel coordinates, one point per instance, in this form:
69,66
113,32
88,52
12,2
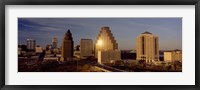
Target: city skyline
42,30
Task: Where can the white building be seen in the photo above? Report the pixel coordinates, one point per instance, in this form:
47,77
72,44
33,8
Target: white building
170,56
147,47
86,48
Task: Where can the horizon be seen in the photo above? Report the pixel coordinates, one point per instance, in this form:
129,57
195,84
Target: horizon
43,30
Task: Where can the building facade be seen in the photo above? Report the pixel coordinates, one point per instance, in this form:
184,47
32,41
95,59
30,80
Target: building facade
67,46
19,51
86,48
31,44
54,42
147,47
106,43
108,56
38,49
170,56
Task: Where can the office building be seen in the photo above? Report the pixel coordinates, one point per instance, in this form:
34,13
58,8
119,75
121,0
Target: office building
108,56
31,43
67,46
106,43
86,48
147,47
175,55
54,42
38,49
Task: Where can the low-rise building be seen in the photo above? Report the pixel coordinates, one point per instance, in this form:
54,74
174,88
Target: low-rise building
38,49
175,55
51,58
77,54
108,56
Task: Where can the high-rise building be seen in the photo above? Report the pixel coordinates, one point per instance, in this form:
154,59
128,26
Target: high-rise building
147,47
175,55
67,46
106,43
31,43
86,48
54,42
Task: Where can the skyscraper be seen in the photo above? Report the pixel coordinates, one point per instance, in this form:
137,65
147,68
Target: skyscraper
31,43
54,42
106,43
86,48
147,47
67,46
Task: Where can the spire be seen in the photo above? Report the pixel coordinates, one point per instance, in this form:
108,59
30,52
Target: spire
68,35
68,31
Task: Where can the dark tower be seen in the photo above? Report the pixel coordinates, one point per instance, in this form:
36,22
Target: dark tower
67,46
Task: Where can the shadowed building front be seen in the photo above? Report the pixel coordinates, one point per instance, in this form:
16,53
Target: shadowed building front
86,48
106,47
67,46
147,47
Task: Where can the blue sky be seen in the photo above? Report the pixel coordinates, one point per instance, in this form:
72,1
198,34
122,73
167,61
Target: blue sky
125,30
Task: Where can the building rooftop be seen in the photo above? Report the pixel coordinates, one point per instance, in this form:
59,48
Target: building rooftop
105,28
68,35
146,32
173,50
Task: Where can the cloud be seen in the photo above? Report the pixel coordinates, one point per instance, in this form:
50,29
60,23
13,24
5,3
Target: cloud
49,28
33,24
